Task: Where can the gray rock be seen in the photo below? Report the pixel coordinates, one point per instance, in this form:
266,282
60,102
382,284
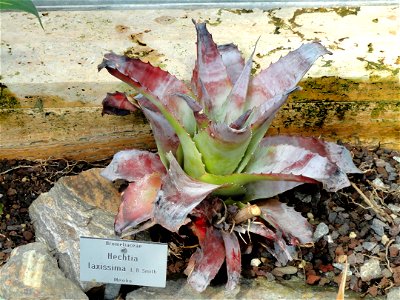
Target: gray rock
68,211
259,288
378,226
367,217
111,291
386,273
380,163
371,270
389,168
332,216
32,273
394,208
321,230
340,220
394,294
369,245
344,229
335,235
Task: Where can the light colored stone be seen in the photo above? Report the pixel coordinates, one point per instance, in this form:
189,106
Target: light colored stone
394,294
321,230
378,226
370,270
287,270
61,216
255,262
259,288
32,273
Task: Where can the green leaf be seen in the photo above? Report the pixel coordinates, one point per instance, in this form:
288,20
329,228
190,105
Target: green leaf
258,135
192,162
22,5
222,147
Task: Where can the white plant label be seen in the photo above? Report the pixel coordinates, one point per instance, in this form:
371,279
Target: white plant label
123,262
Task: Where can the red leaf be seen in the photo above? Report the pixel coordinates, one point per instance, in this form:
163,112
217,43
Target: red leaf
164,134
117,104
334,152
233,60
199,228
233,259
284,218
283,76
280,251
236,101
288,159
152,80
206,261
138,202
132,165
211,70
181,194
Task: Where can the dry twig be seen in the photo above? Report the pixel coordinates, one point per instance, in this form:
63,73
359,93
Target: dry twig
372,204
342,286
386,252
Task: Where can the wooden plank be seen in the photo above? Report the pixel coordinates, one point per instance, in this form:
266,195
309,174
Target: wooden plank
332,108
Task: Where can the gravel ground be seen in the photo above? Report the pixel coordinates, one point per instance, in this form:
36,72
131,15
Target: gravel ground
361,222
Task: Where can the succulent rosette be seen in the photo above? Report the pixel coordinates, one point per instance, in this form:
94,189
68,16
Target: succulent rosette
213,156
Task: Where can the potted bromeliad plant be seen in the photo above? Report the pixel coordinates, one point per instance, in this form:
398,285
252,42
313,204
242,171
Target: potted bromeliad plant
213,160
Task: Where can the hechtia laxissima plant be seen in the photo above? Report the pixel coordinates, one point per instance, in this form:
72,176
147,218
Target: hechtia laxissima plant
213,158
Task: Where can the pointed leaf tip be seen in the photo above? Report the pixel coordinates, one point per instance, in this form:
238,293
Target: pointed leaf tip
282,76
212,73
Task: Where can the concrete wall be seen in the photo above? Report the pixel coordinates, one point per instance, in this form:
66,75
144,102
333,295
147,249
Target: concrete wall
58,91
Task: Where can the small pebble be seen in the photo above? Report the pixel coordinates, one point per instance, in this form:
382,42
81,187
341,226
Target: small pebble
352,235
367,217
11,192
288,270
335,235
394,250
394,208
378,183
13,227
328,238
378,226
380,162
370,270
376,249
386,273
344,229
27,235
396,158
255,262
310,216
332,216
312,279
369,245
384,239
321,230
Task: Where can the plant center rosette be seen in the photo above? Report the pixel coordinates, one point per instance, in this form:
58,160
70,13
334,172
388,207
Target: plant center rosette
213,159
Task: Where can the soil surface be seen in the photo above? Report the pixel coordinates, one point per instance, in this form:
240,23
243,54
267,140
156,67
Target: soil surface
361,222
